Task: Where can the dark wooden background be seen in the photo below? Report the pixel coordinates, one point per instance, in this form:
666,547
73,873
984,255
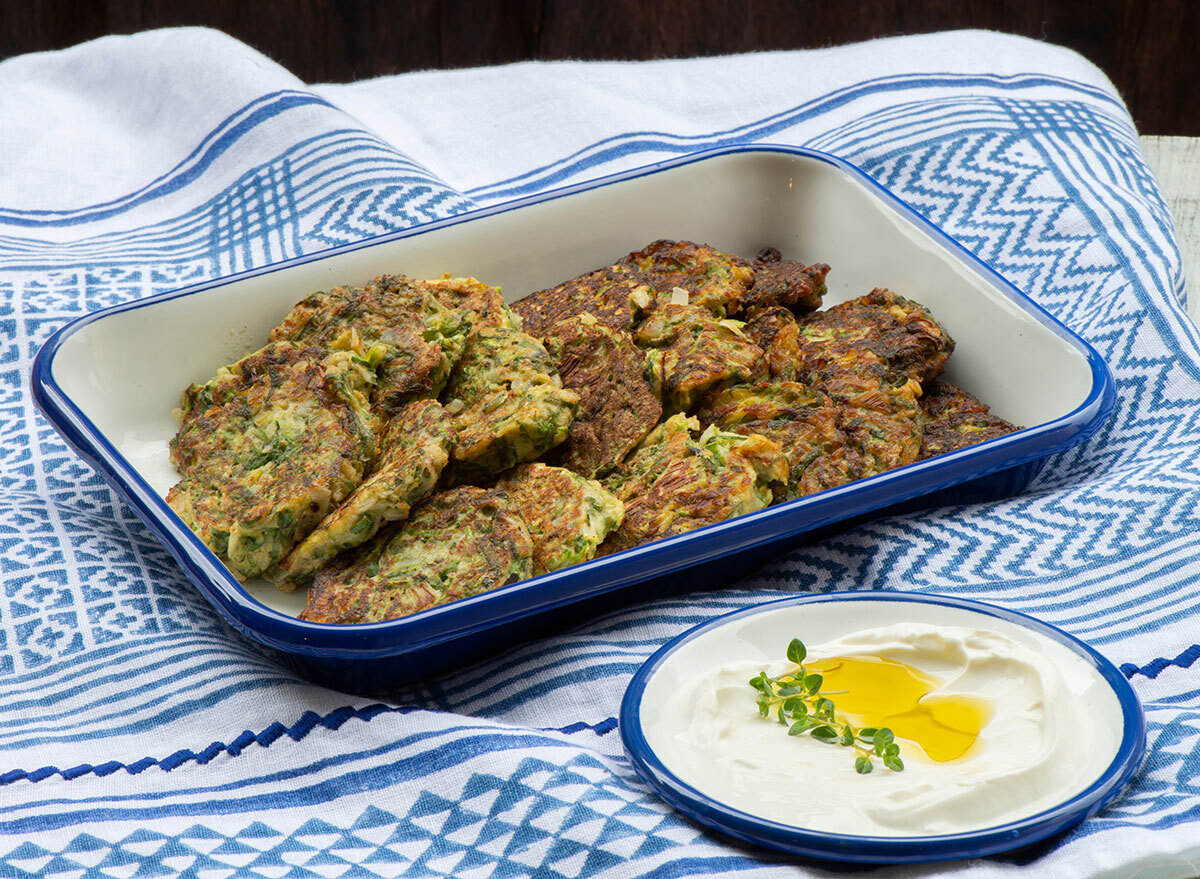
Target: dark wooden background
1149,48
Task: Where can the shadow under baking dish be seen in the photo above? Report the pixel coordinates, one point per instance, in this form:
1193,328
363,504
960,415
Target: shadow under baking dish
760,632
108,382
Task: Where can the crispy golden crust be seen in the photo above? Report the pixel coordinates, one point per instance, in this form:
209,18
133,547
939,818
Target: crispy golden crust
802,421
954,420
277,438
691,352
568,516
784,282
713,280
618,405
880,413
604,294
675,482
881,325
509,402
414,339
415,450
775,330
457,544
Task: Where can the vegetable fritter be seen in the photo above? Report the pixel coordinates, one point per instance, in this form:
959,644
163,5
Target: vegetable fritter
486,303
509,402
954,420
605,294
419,339
618,404
415,450
881,415
692,352
775,330
779,281
457,544
713,280
568,516
674,482
897,331
268,446
802,421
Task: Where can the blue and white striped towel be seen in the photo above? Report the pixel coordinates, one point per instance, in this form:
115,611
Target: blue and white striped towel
140,737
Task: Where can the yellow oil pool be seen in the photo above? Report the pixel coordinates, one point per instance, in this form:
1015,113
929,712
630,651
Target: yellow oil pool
870,691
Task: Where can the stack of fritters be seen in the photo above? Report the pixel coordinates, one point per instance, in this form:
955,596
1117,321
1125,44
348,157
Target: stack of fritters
764,397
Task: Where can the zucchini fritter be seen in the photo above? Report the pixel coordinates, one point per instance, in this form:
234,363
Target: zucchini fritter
775,330
268,446
457,544
415,450
674,482
896,331
419,339
713,280
692,352
509,402
802,421
954,420
779,281
881,415
605,294
486,303
618,406
568,516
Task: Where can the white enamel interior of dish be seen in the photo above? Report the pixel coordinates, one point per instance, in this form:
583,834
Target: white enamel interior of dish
125,371
764,637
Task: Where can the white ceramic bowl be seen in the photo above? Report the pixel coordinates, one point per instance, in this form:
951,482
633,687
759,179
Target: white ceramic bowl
650,724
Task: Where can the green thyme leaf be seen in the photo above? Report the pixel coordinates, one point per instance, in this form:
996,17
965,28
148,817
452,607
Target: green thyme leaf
796,651
798,704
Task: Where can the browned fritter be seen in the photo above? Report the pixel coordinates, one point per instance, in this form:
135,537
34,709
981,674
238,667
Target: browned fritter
714,280
691,352
604,294
805,424
676,481
618,406
413,338
898,332
954,420
786,282
268,446
413,453
880,412
775,330
457,544
485,302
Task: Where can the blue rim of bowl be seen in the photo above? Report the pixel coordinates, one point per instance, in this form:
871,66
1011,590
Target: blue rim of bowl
499,607
743,826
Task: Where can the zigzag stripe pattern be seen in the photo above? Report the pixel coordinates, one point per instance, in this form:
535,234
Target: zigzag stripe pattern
1052,192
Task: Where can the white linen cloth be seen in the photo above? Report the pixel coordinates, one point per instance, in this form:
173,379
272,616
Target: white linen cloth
139,736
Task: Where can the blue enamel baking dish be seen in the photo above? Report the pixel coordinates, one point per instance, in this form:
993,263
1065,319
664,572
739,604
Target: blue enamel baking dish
108,381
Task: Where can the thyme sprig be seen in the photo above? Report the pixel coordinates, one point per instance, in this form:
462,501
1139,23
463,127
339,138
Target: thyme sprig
796,700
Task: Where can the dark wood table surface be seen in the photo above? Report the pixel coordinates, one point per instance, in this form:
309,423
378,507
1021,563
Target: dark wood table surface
1148,48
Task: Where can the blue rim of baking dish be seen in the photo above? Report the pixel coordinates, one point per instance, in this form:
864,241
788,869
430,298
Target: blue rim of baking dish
741,825
443,624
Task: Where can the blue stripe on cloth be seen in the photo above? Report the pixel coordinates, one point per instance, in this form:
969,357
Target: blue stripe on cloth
1156,667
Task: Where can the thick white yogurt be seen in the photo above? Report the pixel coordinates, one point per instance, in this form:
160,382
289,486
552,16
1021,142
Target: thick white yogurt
1039,747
